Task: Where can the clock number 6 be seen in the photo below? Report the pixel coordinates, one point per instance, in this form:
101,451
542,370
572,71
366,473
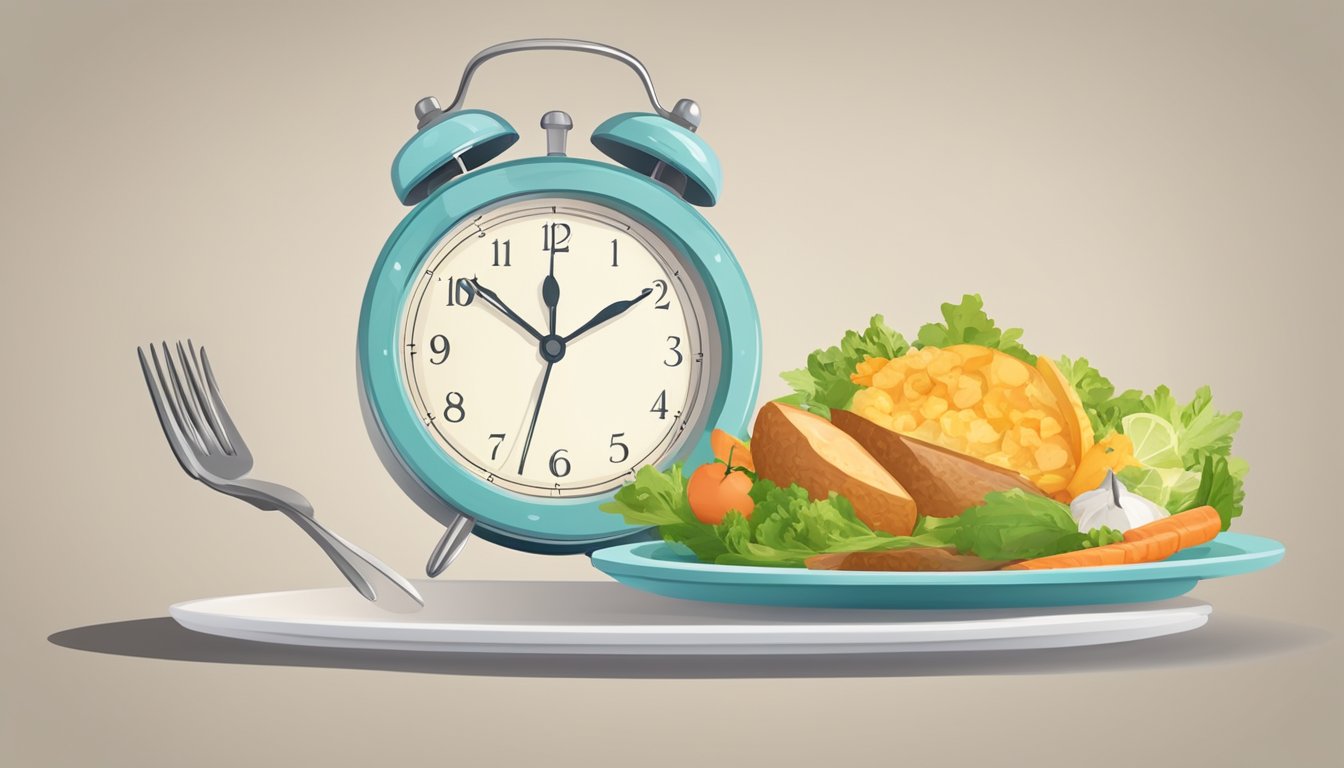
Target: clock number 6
624,449
559,464
454,412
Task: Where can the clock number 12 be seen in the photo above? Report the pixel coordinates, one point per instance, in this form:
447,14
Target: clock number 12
555,238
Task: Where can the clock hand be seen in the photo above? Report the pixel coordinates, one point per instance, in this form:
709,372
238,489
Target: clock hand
612,310
493,300
550,293
536,411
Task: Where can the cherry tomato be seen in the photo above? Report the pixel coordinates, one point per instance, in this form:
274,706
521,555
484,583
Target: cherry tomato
715,489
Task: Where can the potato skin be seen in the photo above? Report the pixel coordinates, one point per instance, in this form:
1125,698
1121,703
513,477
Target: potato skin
942,482
913,559
785,455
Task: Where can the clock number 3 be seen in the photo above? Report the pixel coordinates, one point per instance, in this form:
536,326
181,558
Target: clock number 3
676,350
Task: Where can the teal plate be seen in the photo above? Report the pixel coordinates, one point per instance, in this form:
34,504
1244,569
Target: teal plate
654,566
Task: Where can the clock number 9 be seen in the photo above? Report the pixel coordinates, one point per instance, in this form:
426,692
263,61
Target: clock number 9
439,345
454,413
559,464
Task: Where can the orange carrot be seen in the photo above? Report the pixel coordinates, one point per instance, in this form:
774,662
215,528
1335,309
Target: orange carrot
1146,544
725,445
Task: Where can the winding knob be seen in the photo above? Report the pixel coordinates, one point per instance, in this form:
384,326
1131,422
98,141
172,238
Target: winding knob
426,110
557,125
687,113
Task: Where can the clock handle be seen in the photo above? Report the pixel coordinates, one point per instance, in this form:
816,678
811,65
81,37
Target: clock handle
449,545
685,113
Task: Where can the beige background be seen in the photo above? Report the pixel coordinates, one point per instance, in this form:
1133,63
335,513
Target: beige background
1158,186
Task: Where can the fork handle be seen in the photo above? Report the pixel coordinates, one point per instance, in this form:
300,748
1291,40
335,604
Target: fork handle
374,580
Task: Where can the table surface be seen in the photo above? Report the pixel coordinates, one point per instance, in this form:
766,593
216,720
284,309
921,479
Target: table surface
1154,185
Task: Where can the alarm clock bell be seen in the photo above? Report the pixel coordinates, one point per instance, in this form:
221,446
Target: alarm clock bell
451,141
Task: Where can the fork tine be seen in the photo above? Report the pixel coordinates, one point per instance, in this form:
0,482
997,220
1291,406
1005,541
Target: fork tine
230,429
170,395
188,405
176,440
192,374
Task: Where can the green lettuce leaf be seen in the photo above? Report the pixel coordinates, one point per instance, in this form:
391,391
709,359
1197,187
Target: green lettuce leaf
785,528
1100,537
967,323
653,498
1010,525
1105,409
1201,431
825,384
1220,489
659,498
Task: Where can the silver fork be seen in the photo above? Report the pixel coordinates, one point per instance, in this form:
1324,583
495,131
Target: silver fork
208,446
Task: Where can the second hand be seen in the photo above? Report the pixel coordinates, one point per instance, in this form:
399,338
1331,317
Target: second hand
536,411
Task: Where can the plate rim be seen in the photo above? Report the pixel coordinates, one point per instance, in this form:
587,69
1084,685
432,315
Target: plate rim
1257,552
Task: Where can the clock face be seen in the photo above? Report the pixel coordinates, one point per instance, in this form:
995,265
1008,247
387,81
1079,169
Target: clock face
554,346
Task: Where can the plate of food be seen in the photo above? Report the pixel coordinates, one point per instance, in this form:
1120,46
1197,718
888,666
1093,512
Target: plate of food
955,471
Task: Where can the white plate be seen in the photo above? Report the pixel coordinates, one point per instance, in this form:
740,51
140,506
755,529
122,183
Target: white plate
586,617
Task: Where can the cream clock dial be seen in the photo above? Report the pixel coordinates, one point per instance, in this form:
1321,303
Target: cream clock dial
554,346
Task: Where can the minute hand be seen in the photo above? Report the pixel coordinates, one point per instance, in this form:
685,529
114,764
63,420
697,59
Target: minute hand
611,310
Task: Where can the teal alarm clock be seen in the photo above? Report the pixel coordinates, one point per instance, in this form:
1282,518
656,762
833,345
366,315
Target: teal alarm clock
536,330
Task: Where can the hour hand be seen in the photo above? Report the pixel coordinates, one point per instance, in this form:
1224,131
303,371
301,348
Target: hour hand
611,310
492,298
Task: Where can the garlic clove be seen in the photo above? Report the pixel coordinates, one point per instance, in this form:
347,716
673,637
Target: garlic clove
1113,506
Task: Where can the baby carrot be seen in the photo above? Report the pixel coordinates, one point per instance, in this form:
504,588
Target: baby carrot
725,446
1146,544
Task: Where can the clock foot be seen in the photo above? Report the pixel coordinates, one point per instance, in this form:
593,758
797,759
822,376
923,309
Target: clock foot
449,545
